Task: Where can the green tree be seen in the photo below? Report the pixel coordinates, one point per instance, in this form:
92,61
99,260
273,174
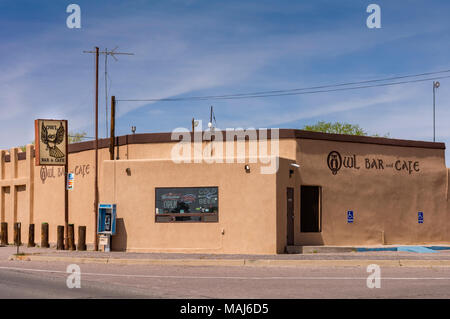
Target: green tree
24,147
338,128
76,137
73,138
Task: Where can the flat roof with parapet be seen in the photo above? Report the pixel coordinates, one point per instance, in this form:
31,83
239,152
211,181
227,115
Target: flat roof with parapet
166,137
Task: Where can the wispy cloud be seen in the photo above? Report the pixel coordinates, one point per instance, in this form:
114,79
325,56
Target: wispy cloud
200,48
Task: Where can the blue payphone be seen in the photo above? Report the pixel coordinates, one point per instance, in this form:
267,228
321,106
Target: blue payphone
106,224
106,219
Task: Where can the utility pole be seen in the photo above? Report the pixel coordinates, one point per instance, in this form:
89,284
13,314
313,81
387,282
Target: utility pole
96,152
96,197
113,125
436,84
66,195
96,148
211,118
106,92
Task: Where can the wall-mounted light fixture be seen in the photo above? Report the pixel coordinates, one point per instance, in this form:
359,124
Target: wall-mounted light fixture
291,171
247,168
128,170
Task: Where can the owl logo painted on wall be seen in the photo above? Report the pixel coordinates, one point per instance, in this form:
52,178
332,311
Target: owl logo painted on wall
334,161
51,142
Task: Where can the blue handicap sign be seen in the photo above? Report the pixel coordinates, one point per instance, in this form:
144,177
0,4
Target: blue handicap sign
350,216
420,217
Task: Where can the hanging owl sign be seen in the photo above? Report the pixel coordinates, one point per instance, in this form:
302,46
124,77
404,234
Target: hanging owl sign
51,142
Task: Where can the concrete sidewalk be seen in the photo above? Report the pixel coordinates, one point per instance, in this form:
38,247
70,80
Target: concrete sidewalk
348,259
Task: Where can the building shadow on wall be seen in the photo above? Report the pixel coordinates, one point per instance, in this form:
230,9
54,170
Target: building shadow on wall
119,240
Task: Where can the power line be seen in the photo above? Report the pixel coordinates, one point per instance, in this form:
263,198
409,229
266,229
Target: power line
82,137
298,91
335,90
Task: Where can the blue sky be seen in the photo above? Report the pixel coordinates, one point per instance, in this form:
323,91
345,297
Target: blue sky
191,48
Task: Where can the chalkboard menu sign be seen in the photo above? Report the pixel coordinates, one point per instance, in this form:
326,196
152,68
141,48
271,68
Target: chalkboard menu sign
187,204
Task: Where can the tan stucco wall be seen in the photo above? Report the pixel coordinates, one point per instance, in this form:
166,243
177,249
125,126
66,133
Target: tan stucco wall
47,186
286,149
284,180
252,207
246,213
383,200
16,190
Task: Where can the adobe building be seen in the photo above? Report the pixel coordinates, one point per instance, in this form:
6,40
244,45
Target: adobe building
216,196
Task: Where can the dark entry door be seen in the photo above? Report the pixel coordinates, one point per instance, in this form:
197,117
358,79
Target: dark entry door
290,216
310,209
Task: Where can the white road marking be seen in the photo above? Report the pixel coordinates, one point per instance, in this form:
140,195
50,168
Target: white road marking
223,277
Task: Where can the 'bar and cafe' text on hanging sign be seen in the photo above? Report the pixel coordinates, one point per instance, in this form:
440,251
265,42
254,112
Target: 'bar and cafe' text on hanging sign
51,142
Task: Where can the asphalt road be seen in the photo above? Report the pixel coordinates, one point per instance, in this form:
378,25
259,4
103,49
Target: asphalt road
28,279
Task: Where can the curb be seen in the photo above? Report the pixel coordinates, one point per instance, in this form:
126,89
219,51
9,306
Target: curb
240,262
